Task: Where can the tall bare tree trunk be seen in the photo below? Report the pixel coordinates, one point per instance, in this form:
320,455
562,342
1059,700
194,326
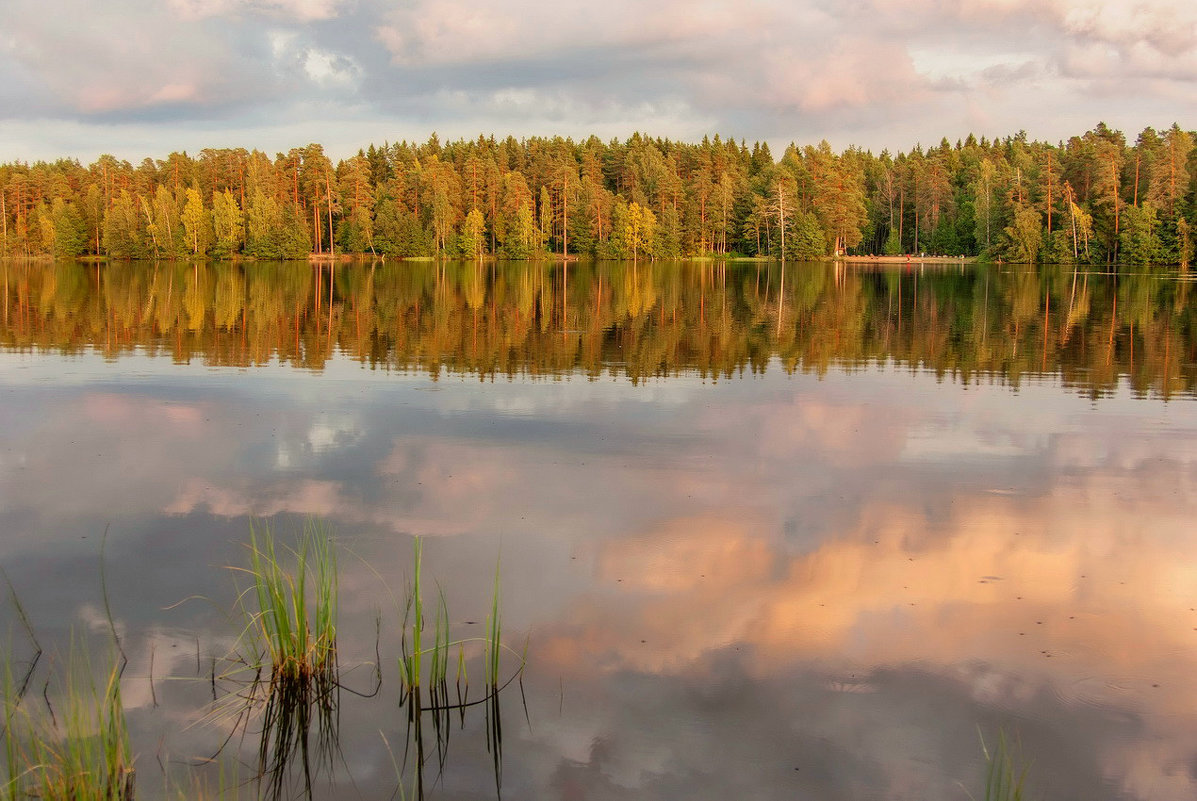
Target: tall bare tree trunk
1114,192
564,218
1072,214
1049,194
1138,161
332,243
1171,174
781,224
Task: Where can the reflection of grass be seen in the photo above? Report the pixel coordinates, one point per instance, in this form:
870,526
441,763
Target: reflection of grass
77,748
84,755
1005,776
294,629
421,646
225,787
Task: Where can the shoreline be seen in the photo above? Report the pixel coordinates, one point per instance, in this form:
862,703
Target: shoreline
908,259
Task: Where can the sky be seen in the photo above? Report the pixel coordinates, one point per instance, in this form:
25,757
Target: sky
140,78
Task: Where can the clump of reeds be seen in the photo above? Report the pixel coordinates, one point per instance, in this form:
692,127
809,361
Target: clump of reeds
433,647
427,691
293,631
83,754
1005,776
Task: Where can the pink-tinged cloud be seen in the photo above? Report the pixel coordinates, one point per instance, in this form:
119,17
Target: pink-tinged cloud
856,73
1087,600
175,93
872,73
457,32
295,10
116,410
311,498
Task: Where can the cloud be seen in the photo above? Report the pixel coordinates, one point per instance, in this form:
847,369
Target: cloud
1063,600
275,73
297,10
97,68
456,32
1084,38
192,58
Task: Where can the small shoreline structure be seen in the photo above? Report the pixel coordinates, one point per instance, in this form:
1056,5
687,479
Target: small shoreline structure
907,259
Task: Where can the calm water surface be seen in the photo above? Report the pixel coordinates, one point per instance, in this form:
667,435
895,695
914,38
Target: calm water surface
810,535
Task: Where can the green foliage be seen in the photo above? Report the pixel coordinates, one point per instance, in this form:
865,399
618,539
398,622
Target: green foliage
806,240
425,653
426,656
522,236
964,229
297,629
1058,248
82,753
1138,240
1023,238
124,235
292,630
616,247
943,240
667,241
545,226
397,231
228,225
1005,775
163,224
473,235
639,231
263,218
355,234
715,197
197,225
274,231
70,237
1184,242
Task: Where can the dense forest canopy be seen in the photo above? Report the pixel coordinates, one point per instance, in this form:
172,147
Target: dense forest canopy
1093,199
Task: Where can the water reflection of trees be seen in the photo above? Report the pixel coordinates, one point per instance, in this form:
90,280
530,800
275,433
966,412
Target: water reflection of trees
637,321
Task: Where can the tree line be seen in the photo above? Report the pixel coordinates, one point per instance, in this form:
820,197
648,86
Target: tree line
1092,199
1096,332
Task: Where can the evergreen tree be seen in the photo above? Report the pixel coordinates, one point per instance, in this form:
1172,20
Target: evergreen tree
473,235
70,237
1139,241
1024,235
806,240
196,223
227,224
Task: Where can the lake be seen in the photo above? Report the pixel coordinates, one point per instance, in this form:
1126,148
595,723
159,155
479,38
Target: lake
826,531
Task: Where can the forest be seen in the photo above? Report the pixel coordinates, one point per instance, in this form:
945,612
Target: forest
1094,199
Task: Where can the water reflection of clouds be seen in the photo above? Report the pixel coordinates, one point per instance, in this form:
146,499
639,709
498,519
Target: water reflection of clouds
755,557
97,454
331,431
1093,611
